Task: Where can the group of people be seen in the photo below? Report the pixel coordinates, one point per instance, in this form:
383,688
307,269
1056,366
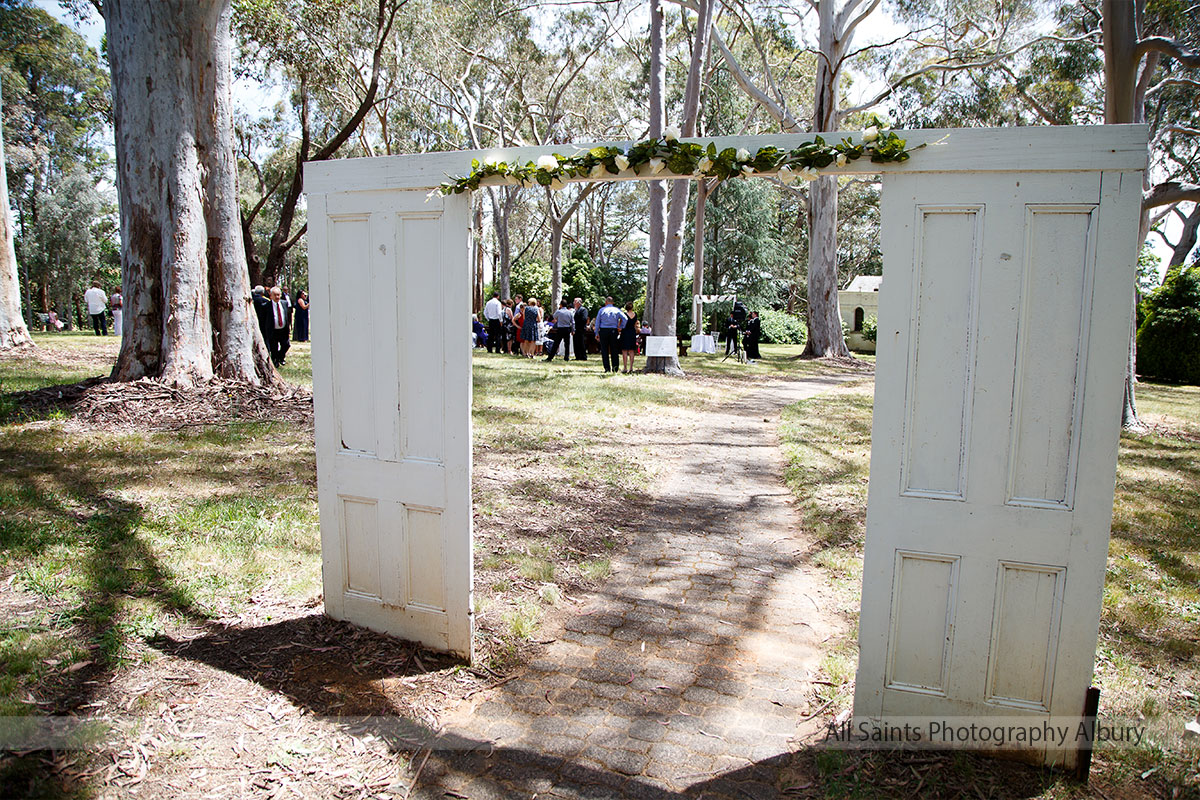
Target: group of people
282,318
744,328
98,303
522,326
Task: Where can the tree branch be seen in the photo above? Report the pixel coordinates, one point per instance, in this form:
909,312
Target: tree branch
383,26
292,241
943,65
1172,192
781,115
1168,47
849,29
1156,88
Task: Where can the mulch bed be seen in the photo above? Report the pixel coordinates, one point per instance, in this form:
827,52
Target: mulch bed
150,404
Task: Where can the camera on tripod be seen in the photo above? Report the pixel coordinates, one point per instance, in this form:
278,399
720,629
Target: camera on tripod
734,329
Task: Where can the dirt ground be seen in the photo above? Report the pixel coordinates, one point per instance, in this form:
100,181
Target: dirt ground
281,701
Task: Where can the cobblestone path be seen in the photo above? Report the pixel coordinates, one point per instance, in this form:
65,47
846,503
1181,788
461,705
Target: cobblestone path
689,673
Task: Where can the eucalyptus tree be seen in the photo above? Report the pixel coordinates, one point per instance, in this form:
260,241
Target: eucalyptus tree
1121,62
667,214
66,242
955,37
332,56
56,105
13,332
184,278
1147,51
836,24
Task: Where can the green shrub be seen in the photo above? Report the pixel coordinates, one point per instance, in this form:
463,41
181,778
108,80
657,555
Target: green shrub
780,327
870,328
530,279
1168,341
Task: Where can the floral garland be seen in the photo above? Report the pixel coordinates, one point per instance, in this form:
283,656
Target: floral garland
669,156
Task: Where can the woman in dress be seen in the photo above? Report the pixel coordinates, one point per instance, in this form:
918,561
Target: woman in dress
628,340
530,329
508,330
300,329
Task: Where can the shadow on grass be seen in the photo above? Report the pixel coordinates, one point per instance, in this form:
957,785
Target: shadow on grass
51,504
1156,541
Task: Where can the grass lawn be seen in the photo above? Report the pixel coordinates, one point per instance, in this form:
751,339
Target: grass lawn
1147,664
109,538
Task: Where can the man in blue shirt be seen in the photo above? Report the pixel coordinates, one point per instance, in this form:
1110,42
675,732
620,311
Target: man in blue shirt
564,320
609,322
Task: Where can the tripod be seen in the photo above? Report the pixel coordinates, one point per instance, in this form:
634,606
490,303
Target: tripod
734,335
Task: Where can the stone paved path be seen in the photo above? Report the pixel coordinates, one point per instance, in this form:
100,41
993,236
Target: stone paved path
688,674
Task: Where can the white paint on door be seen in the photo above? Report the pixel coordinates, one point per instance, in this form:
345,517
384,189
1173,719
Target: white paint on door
1002,320
392,394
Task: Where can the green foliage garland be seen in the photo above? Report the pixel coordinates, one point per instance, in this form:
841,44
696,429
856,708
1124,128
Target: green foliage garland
669,156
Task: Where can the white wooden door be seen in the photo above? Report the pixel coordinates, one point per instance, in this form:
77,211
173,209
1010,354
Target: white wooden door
1003,328
391,356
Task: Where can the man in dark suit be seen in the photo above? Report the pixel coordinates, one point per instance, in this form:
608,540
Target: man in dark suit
579,342
279,341
753,334
262,310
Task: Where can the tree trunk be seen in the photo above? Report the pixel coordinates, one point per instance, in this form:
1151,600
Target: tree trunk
666,286
825,337
185,282
556,237
657,189
1129,415
1120,87
1120,60
477,229
501,209
824,323
13,332
1187,238
698,256
253,262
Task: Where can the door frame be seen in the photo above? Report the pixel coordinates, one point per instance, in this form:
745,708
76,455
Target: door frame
1114,149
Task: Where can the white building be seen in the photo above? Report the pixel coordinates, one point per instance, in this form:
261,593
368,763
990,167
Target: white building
857,303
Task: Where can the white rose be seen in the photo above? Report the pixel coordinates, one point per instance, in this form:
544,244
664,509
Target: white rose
743,154
786,175
656,166
492,160
841,159
671,133
747,169
705,164
598,171
548,163
809,174
871,134
622,162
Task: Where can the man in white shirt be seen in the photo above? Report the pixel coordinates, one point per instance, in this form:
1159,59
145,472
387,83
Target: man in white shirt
492,312
97,303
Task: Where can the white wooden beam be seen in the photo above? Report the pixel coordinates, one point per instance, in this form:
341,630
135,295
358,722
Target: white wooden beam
1119,148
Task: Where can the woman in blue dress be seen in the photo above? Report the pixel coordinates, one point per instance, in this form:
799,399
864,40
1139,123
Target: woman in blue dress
530,328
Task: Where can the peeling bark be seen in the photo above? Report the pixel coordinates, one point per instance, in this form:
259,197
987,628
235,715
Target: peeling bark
13,332
824,322
665,286
187,294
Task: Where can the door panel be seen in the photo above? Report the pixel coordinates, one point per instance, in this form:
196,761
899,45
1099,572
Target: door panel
1003,322
391,378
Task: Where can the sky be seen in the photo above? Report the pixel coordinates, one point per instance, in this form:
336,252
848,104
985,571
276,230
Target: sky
256,99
